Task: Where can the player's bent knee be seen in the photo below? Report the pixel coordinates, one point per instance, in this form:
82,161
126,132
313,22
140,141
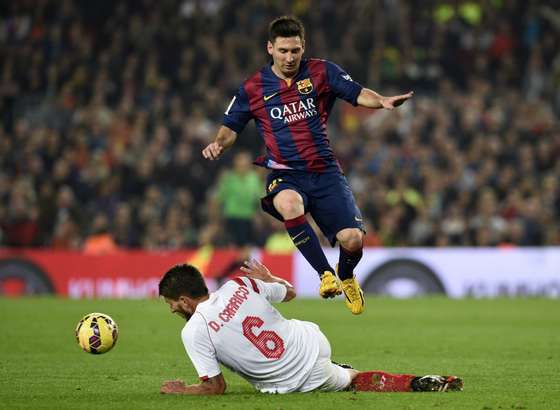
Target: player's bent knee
289,204
289,210
351,239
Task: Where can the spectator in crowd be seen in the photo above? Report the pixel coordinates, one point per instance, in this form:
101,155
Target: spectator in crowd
239,193
100,241
105,108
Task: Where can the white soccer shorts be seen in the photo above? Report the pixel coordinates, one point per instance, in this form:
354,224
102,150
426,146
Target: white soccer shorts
326,376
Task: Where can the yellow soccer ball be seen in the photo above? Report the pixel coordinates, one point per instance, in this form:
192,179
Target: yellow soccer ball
97,333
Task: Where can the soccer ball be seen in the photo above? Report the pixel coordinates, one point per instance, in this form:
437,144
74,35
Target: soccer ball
97,333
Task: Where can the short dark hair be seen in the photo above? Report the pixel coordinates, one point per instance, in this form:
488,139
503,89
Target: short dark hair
286,26
182,280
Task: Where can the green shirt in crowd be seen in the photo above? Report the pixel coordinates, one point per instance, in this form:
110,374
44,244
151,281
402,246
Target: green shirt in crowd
240,194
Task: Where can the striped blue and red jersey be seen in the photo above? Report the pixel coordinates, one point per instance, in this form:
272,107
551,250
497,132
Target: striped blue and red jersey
292,117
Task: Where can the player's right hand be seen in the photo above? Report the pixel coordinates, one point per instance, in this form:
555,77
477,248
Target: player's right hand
212,151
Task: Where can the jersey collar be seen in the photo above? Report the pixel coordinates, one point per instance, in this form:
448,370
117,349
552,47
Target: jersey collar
292,80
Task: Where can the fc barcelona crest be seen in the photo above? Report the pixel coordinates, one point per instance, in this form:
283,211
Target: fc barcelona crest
305,86
273,184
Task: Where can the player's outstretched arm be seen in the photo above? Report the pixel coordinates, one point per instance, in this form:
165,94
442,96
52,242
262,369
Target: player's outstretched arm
370,99
255,269
214,385
225,139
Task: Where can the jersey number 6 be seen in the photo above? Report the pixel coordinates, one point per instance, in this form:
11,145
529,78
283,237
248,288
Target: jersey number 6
268,342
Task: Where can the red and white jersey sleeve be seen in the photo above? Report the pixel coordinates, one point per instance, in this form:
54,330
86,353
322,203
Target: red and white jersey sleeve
273,292
239,328
199,348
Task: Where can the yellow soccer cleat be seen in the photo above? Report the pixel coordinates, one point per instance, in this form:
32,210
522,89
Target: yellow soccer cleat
354,295
330,285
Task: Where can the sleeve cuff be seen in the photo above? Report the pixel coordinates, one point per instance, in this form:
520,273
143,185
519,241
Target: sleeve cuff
357,92
209,375
234,126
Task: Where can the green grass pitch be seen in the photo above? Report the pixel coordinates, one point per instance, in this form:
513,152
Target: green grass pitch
507,351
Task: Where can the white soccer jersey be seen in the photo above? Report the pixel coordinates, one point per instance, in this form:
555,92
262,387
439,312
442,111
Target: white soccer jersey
239,328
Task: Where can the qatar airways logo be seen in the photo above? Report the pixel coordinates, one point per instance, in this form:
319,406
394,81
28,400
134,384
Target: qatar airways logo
295,111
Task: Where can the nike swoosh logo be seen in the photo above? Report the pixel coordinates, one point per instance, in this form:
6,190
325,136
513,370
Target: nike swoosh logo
294,237
358,219
268,97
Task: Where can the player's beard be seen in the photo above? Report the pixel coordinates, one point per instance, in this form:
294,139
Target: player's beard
185,315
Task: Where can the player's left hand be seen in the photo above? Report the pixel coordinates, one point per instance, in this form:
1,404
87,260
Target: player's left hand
392,102
255,269
172,387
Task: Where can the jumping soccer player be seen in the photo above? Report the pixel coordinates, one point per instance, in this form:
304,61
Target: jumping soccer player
290,101
238,327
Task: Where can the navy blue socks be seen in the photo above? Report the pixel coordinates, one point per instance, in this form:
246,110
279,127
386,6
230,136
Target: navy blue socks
347,261
306,241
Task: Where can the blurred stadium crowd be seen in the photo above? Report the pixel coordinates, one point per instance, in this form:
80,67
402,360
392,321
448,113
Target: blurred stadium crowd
106,105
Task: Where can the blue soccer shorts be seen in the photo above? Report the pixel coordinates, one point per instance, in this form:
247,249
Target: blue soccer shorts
326,196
